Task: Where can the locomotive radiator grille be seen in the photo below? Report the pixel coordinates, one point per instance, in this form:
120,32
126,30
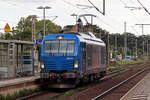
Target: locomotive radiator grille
62,65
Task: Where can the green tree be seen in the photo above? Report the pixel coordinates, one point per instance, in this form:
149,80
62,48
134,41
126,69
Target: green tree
50,27
24,28
6,36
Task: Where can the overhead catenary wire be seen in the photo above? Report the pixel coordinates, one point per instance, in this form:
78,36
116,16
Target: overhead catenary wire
73,5
136,18
84,10
132,1
17,5
95,7
108,25
111,19
125,4
143,7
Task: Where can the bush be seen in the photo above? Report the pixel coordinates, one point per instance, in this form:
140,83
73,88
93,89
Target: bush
2,97
31,91
8,97
15,95
24,92
36,89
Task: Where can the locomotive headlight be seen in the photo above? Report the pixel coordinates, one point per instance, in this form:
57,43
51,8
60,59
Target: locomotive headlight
42,65
76,64
59,37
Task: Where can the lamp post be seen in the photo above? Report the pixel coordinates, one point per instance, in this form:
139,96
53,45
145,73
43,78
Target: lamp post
46,7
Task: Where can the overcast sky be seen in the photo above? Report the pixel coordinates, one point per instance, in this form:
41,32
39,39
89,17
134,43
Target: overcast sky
113,21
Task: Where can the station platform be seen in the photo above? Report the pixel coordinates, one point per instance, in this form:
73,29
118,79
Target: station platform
15,81
141,91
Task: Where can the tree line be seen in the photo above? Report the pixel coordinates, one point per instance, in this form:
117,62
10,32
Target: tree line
23,31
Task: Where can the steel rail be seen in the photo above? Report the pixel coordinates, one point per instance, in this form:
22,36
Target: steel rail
38,94
113,74
30,96
116,71
109,90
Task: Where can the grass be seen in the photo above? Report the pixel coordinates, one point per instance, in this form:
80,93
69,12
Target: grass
18,94
69,93
122,64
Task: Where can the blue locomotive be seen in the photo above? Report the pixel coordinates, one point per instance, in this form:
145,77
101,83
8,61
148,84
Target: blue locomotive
68,58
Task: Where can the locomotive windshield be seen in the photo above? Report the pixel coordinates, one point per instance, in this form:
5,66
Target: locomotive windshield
59,46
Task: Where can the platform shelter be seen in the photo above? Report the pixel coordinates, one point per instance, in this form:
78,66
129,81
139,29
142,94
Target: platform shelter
16,58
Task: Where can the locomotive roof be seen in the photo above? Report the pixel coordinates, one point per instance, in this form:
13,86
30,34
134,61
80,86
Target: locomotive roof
87,37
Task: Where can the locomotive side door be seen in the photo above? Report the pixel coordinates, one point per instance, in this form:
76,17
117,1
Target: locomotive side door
84,56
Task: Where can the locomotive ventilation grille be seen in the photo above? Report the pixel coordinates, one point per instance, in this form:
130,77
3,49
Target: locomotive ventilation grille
63,65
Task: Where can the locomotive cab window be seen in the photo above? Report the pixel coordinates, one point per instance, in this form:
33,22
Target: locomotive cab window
63,46
59,46
70,46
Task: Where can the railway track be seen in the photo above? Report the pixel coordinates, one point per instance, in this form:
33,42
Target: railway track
25,83
21,84
50,94
111,80
98,97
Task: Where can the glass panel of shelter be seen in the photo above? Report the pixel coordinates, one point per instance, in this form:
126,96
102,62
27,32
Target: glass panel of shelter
18,55
3,55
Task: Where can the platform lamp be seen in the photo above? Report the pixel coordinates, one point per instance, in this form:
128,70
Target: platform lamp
46,7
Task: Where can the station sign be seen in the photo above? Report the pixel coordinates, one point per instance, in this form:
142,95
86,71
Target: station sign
37,41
